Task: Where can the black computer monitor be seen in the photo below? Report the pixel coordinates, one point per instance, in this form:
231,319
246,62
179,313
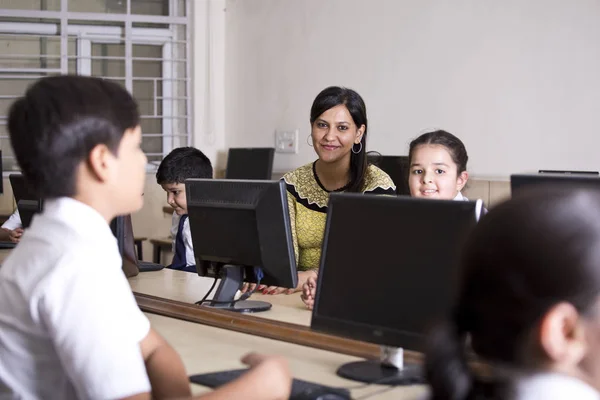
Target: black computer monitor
28,202
519,182
122,228
240,230
250,163
385,285
396,167
553,171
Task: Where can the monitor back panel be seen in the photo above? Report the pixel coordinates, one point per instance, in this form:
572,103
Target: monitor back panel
388,266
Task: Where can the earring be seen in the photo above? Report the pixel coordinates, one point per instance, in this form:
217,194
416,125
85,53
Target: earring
309,140
359,150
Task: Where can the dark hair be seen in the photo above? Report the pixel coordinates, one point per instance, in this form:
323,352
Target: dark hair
454,145
335,96
59,121
528,254
183,163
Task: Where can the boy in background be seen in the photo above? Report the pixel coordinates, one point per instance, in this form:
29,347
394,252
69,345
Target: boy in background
180,164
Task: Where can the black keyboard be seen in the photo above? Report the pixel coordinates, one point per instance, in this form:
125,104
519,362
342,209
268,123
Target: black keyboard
145,266
7,245
299,387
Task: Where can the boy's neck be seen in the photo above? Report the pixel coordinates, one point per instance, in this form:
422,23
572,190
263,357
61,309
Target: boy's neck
97,204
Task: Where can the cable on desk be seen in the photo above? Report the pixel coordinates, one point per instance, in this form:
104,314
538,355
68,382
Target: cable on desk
258,273
208,293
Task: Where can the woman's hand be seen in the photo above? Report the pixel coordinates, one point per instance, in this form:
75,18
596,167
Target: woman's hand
303,277
309,291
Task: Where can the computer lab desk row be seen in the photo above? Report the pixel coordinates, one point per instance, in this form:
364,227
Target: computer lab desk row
210,341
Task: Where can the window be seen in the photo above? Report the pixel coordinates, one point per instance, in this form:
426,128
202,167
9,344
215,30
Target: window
141,44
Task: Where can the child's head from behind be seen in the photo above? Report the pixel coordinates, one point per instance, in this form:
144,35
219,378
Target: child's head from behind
438,165
181,164
79,137
529,296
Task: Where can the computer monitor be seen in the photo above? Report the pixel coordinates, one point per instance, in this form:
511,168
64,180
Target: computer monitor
519,182
386,286
552,171
28,202
250,163
396,167
240,231
122,228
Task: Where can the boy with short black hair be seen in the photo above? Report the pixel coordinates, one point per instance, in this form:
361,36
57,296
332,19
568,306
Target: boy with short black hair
180,164
69,324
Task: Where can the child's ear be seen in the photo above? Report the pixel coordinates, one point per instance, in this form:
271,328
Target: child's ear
461,180
562,335
100,161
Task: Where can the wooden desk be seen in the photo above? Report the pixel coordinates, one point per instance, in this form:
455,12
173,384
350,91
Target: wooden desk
207,349
189,288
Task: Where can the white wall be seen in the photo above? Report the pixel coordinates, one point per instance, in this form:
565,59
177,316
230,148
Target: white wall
208,84
517,80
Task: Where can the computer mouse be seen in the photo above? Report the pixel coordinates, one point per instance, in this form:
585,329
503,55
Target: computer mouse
321,394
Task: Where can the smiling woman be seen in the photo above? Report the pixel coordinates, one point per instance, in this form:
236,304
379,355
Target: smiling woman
338,120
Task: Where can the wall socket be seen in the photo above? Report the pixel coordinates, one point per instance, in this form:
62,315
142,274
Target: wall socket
286,141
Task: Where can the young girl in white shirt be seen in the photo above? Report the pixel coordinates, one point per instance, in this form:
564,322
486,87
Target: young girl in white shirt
438,166
528,304
438,170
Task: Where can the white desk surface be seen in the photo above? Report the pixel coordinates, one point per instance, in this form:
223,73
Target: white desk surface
207,349
188,287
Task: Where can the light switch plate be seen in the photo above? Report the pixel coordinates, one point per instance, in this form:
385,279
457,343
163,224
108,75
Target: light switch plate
286,141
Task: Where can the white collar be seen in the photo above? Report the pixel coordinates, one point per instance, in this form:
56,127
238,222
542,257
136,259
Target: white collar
78,216
548,386
460,197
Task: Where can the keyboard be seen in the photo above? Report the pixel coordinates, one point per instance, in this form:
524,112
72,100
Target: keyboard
145,266
299,387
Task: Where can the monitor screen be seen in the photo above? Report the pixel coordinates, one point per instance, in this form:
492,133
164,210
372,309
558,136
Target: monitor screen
122,227
242,224
28,203
519,182
396,167
250,163
388,266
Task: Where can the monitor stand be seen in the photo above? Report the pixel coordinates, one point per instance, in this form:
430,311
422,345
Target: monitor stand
388,370
232,277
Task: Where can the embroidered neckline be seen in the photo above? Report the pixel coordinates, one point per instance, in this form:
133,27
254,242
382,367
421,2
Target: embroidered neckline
314,171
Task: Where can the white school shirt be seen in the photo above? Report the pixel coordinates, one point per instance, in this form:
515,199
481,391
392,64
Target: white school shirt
187,238
460,197
553,386
69,324
13,222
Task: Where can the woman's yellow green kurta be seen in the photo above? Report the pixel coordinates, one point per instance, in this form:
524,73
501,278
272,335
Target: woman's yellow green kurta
307,200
